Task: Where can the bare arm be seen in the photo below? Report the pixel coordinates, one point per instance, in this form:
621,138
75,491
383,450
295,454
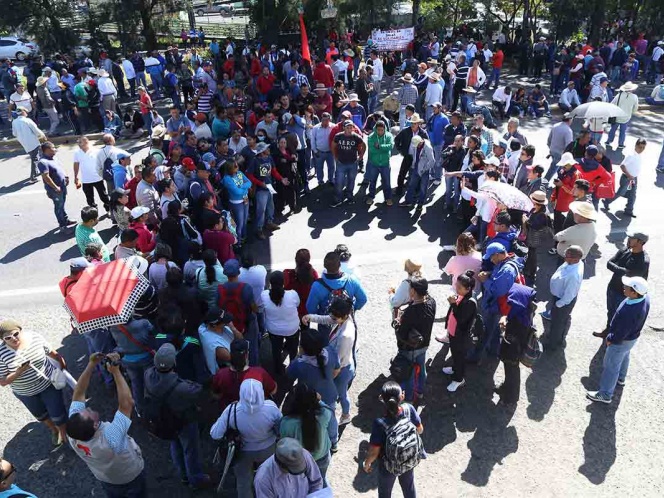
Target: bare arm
84,379
125,400
49,181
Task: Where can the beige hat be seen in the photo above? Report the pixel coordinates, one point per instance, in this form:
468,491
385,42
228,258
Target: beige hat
628,87
584,209
408,78
41,80
416,140
566,158
539,197
415,119
412,266
103,73
434,76
158,132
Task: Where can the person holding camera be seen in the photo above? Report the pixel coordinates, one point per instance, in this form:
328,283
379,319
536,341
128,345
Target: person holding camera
110,453
413,330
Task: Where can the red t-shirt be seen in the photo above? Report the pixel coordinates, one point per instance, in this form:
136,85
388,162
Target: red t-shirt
226,382
498,59
220,242
146,103
292,283
265,83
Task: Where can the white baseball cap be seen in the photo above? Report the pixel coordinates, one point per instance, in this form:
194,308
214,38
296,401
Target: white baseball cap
139,211
639,284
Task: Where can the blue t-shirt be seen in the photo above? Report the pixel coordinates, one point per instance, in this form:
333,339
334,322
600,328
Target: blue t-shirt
305,371
378,434
261,168
54,170
14,490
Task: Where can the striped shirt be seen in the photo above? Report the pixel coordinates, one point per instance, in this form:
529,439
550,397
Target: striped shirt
29,383
462,73
408,95
205,102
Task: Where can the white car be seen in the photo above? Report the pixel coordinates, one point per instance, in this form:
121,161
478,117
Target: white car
16,48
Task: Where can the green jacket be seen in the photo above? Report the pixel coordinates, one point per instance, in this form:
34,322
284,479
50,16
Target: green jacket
81,94
380,156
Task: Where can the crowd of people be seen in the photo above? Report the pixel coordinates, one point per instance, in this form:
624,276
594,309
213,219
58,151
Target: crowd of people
244,132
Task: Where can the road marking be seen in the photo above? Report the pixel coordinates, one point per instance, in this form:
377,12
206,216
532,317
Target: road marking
47,289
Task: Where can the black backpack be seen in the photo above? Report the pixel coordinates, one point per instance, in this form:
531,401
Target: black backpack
341,293
159,418
107,168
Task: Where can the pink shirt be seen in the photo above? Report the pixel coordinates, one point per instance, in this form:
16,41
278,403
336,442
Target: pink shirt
452,321
459,264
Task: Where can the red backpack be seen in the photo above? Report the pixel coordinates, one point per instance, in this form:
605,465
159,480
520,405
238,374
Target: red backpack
230,300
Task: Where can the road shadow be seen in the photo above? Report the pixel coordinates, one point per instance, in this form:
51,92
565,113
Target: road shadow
15,187
591,381
599,440
29,247
542,382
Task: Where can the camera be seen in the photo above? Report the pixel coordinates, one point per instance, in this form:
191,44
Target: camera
106,361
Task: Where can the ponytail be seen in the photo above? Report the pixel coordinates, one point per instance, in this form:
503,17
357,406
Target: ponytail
210,259
304,272
390,395
277,287
312,346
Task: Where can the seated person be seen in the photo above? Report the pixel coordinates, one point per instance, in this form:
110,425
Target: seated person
537,104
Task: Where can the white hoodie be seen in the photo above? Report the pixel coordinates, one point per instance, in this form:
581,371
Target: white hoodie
257,419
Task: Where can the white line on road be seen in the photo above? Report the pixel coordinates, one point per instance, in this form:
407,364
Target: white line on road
47,289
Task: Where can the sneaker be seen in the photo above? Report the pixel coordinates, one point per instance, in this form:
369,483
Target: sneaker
621,382
598,397
454,385
448,370
272,226
629,215
71,223
660,169
553,251
444,338
389,202
435,183
601,334
369,201
336,204
621,146
345,419
407,205
546,315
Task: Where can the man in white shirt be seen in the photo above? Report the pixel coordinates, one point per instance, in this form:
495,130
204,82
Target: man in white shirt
629,103
29,136
569,99
110,151
130,74
86,164
339,68
435,48
502,98
655,72
107,89
631,168
377,65
21,98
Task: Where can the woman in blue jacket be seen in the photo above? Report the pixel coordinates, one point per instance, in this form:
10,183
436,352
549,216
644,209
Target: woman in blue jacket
237,185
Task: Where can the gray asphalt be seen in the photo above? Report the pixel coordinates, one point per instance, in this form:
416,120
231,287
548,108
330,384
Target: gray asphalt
555,443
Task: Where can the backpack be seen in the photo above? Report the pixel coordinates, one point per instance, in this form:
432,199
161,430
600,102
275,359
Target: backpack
532,350
170,83
231,302
341,292
403,446
478,329
107,168
159,418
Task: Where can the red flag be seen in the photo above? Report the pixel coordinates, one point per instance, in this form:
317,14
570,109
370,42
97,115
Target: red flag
306,55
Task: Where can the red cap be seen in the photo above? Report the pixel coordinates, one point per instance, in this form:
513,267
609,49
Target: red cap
188,163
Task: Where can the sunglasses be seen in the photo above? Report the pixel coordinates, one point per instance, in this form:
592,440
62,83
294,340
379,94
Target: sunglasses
13,336
12,470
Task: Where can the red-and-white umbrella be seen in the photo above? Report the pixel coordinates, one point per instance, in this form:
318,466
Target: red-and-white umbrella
105,295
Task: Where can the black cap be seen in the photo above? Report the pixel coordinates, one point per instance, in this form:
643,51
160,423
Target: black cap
239,346
215,316
420,285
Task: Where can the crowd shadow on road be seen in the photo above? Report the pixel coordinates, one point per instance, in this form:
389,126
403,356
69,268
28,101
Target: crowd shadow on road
542,382
29,247
14,187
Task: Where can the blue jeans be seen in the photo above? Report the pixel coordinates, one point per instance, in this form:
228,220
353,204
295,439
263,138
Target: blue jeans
491,342
438,163
386,482
373,172
372,103
452,192
240,214
624,191
133,489
155,76
537,110
418,184
418,379
613,300
100,341
264,208
136,373
479,230
495,75
323,465
660,161
344,177
320,159
245,463
596,137
147,119
555,159
59,205
140,79
46,405
621,136
616,363
185,453
342,383
252,335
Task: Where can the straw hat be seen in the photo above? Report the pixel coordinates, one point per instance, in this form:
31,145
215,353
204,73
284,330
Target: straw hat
408,78
584,209
103,73
412,266
628,87
539,197
41,80
415,119
469,89
434,76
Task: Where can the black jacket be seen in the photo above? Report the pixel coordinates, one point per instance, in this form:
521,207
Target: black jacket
453,158
420,317
627,263
465,313
403,138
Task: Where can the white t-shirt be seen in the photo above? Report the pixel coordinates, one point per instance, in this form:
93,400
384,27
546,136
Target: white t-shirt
632,164
22,100
254,277
281,320
87,166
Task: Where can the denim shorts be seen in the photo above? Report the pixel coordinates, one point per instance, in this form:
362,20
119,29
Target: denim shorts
47,404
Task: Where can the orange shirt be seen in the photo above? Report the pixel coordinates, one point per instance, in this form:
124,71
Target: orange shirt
498,59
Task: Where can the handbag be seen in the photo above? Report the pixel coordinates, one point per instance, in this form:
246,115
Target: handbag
232,439
57,377
613,120
532,350
606,190
401,368
542,237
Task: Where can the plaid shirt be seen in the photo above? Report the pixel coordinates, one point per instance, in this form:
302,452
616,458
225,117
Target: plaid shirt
408,95
301,79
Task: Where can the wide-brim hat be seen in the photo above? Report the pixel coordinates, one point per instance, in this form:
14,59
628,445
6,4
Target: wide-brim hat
158,131
566,159
628,87
349,53
539,197
434,76
320,87
408,78
260,148
41,80
415,119
353,98
469,89
103,73
584,209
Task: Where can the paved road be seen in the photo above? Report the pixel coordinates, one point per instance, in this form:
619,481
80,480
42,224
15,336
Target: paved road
554,443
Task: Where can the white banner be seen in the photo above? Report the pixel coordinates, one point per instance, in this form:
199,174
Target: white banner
393,39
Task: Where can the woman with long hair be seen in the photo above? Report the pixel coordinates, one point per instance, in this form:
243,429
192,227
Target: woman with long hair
301,278
177,231
396,410
343,338
316,366
209,278
311,422
285,161
466,257
119,210
237,186
281,320
534,223
461,316
163,261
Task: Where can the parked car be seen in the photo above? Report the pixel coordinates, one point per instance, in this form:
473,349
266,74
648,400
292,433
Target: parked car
224,10
15,48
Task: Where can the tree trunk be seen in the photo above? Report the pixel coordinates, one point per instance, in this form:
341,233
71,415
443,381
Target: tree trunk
416,11
597,17
148,29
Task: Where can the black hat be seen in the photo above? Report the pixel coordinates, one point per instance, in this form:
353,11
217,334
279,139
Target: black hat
420,285
239,346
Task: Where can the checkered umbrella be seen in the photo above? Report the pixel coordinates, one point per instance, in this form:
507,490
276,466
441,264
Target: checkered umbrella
506,194
105,295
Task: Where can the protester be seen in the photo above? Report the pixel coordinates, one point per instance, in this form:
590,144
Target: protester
631,169
281,320
29,136
582,234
